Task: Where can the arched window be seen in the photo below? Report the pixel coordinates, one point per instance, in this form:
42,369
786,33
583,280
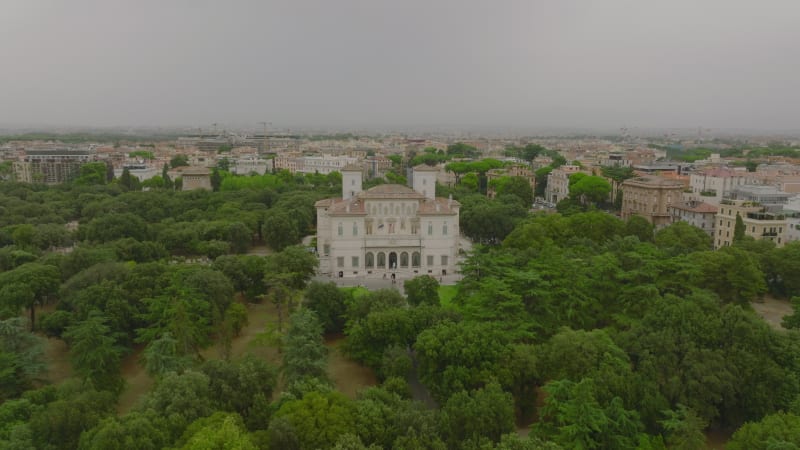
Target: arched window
381,259
404,259
341,229
369,260
415,258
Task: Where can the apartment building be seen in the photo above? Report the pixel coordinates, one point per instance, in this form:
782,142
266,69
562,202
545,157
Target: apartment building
512,171
769,196
324,164
698,214
196,178
710,186
650,197
759,223
51,166
558,182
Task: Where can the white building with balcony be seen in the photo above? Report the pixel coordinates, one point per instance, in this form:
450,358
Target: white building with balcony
389,230
710,186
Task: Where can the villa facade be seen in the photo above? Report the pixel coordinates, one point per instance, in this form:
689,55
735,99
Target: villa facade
389,230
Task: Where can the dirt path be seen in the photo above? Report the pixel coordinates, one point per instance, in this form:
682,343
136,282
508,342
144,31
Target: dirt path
138,382
348,376
260,250
56,355
259,316
772,310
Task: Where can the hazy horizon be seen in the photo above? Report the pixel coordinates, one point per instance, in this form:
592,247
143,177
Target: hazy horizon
379,64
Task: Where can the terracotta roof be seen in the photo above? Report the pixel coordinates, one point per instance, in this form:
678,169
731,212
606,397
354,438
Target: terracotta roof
390,191
355,206
445,206
352,206
700,207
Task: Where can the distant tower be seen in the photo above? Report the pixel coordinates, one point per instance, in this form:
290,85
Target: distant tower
425,180
351,181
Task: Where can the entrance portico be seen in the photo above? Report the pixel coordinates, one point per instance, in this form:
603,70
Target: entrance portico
381,260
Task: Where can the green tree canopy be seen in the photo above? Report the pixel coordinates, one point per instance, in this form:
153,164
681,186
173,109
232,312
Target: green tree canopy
591,188
318,419
178,161
423,289
94,352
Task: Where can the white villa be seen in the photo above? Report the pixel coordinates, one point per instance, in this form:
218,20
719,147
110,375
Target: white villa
389,230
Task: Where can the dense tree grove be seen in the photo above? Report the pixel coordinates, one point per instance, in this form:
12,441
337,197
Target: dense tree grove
589,331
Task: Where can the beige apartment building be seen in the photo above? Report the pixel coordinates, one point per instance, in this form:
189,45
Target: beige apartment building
758,223
196,178
558,182
650,197
51,166
513,171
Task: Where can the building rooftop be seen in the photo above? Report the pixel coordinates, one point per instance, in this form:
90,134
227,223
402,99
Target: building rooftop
425,168
654,182
390,191
355,205
195,171
58,152
698,207
721,172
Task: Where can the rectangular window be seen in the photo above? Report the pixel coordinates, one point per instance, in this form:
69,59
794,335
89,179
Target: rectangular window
326,249
355,229
444,260
444,229
430,260
355,261
340,261
430,228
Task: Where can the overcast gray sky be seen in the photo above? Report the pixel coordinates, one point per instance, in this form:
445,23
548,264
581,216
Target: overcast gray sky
350,63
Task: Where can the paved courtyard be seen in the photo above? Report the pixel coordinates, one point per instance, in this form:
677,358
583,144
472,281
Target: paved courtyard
373,282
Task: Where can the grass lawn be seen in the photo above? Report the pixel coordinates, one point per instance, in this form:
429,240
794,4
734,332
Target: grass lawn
446,295
355,291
